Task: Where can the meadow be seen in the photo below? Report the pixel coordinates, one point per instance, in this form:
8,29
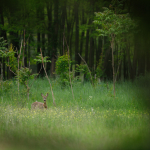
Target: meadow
93,120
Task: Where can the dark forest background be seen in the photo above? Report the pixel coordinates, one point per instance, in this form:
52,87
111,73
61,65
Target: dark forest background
44,23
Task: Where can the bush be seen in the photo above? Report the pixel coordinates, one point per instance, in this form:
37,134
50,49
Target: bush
6,85
62,65
62,70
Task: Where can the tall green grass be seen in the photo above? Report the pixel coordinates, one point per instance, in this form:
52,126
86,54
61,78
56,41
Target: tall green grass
93,120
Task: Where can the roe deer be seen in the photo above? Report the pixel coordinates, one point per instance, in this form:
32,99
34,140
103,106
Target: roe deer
39,104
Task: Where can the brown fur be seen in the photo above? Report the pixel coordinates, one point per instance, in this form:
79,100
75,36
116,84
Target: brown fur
40,105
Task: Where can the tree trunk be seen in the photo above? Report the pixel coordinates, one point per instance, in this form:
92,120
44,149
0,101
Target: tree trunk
55,38
129,61
135,62
125,68
87,44
147,55
77,59
52,66
98,50
141,55
82,37
2,34
42,18
70,25
62,42
4,77
43,51
70,46
91,54
38,51
49,14
38,40
25,50
29,48
113,67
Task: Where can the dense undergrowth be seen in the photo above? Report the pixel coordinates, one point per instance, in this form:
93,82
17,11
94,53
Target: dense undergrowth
93,120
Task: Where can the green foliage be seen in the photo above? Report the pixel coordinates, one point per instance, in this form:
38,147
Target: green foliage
8,53
79,123
62,65
64,80
114,26
100,69
3,44
24,74
3,49
112,23
6,85
40,60
62,70
84,69
13,64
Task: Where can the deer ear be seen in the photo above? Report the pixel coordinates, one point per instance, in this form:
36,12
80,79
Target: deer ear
47,94
41,94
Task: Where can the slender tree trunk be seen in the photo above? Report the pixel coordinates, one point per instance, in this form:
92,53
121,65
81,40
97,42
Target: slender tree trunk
147,55
87,44
29,48
43,50
2,34
91,54
42,18
38,50
118,48
2,31
77,35
120,62
49,14
129,61
25,50
43,43
113,67
116,54
70,46
70,25
4,77
99,49
38,40
141,55
62,44
1,63
125,65
55,38
82,37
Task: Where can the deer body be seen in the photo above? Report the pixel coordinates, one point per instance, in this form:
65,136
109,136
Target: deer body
39,104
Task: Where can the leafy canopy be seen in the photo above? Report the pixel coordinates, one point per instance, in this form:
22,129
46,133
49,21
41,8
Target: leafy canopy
111,23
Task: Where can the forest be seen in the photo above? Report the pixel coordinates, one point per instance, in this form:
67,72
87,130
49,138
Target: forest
54,26
74,74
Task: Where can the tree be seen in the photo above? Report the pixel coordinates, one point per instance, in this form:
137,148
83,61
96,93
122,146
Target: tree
114,26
